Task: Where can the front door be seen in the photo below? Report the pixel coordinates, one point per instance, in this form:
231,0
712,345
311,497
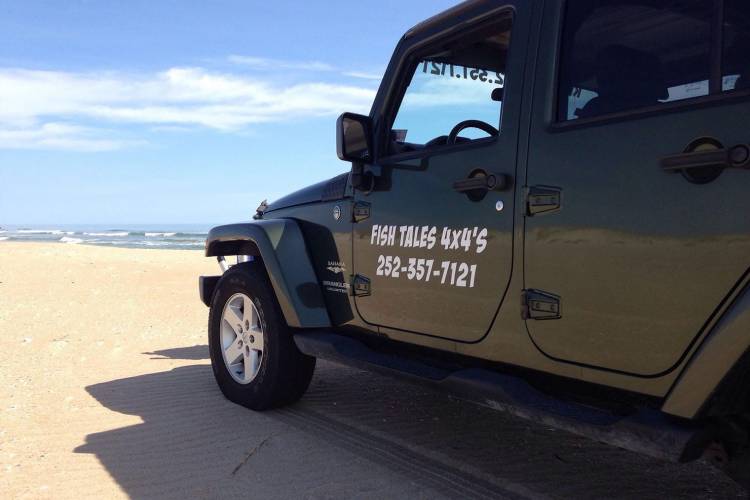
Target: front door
640,253
435,234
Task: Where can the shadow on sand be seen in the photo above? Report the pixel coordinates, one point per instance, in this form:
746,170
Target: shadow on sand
357,434
195,352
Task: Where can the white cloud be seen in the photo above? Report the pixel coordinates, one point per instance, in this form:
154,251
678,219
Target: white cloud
363,75
59,136
68,110
265,63
282,64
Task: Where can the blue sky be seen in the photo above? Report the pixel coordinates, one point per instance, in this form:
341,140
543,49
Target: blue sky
180,112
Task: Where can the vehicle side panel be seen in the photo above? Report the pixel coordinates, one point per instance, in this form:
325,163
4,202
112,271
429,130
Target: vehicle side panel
642,258
712,362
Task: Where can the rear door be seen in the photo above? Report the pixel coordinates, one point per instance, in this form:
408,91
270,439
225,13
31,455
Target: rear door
640,252
435,252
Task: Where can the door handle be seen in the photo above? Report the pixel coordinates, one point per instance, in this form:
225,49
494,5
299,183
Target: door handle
482,181
734,157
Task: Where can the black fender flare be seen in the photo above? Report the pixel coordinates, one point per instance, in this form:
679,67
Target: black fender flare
281,246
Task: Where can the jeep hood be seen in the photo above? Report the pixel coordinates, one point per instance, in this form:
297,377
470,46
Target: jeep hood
330,189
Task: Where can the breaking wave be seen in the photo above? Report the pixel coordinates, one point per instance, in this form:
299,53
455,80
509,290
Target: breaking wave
109,234
40,231
68,239
159,235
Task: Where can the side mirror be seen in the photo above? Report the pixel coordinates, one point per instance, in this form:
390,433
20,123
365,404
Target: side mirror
353,137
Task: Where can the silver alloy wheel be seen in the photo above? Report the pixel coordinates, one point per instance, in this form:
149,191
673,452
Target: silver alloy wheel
241,338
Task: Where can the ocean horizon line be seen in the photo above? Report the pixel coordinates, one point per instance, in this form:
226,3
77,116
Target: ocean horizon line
166,236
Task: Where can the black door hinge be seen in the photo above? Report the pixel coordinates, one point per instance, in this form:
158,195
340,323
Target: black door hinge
543,199
539,305
360,286
360,211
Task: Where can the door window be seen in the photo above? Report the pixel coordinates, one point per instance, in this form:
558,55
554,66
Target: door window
453,83
628,54
736,50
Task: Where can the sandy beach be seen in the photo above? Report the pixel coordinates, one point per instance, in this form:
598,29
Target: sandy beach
72,316
106,391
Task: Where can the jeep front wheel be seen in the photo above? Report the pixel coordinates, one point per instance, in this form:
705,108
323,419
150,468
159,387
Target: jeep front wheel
254,358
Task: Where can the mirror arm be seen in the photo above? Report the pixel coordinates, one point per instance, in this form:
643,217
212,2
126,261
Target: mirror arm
358,173
361,180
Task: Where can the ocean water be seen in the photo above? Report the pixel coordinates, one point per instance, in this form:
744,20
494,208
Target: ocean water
182,236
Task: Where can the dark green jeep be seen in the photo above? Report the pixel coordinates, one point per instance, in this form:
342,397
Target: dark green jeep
547,212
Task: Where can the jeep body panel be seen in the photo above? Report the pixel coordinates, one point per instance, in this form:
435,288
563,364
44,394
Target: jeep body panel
465,243
704,377
281,245
507,341
641,258
648,267
328,190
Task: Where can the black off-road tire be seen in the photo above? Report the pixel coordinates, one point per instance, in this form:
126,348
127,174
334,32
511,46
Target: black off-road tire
284,373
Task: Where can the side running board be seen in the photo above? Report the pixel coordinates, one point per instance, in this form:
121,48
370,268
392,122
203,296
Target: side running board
647,431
